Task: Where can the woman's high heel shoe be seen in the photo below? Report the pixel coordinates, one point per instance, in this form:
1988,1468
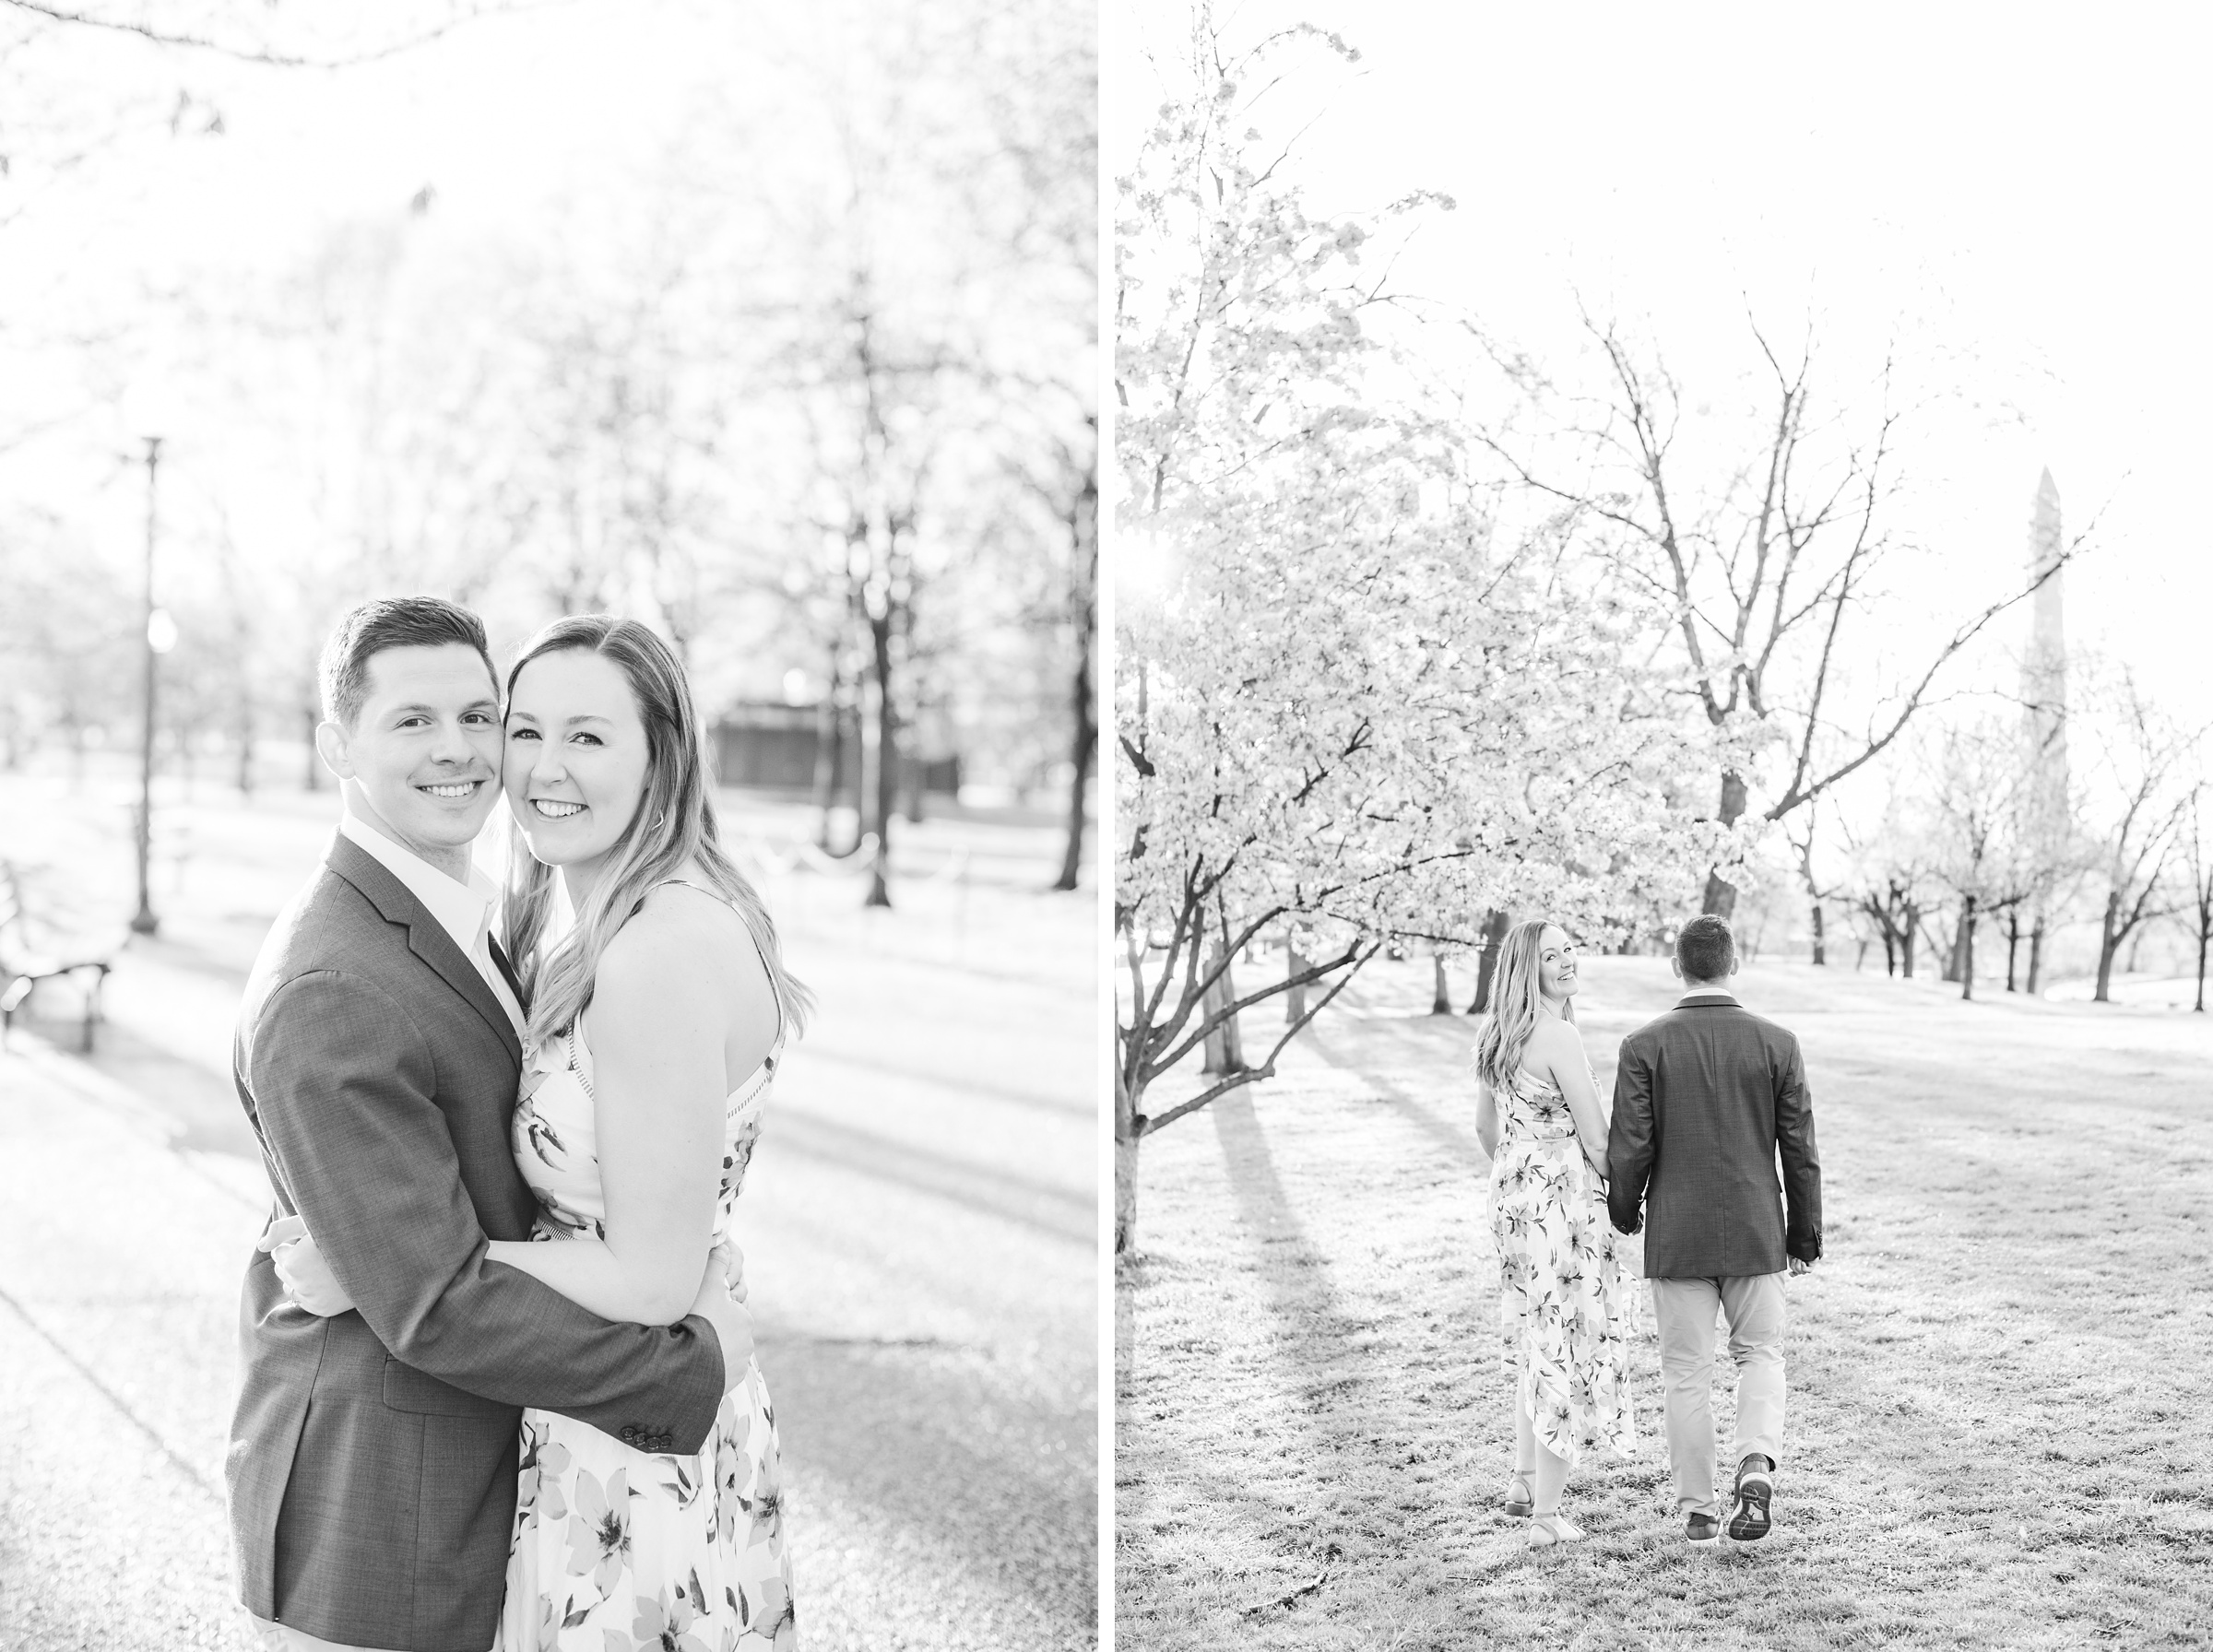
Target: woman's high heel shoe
1519,1502
1545,1531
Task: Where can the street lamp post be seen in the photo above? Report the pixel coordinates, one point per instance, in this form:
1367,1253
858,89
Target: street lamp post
144,922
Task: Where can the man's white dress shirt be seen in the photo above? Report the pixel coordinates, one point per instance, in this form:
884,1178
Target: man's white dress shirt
462,910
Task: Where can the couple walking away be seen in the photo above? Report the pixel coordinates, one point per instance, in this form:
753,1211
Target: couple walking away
496,1386
1705,1100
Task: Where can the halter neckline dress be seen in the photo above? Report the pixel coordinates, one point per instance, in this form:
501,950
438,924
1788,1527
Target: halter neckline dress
615,1547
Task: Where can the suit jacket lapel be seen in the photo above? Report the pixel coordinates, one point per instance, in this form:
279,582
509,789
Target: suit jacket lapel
427,937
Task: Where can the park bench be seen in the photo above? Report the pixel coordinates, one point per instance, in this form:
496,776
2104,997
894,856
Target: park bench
24,964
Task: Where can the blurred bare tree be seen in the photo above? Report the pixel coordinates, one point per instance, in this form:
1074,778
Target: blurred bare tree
805,381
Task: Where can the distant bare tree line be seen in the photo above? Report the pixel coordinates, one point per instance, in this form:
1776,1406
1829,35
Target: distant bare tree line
814,395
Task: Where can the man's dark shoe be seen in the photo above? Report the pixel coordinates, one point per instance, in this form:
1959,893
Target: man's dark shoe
1703,1530
1749,1520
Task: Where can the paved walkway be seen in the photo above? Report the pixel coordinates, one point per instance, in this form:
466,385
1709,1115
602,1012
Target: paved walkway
119,1270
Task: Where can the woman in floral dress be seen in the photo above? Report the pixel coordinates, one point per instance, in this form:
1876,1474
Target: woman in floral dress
656,1020
1566,1308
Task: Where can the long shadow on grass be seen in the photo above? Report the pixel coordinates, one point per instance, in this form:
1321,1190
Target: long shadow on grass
1332,1047
1376,1510
932,1441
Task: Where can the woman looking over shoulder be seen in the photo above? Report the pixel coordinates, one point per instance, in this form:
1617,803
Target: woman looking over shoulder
1563,1302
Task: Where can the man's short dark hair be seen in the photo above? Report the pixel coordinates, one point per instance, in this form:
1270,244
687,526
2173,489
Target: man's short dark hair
1705,950
391,622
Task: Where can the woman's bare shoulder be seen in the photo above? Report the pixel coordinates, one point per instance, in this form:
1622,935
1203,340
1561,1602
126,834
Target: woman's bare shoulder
680,936
689,940
1555,1040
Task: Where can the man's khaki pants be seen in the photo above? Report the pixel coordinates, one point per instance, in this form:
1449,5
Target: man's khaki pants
1683,1311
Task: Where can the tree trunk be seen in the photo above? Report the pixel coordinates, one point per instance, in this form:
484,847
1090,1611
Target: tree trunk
2204,934
1486,961
1441,1003
2036,954
2013,944
1967,948
1128,1128
1294,998
1947,954
1820,950
1720,895
913,781
1956,954
829,749
1125,1193
887,763
1083,531
315,760
1905,942
1225,1047
1086,750
245,748
2108,944
1125,1328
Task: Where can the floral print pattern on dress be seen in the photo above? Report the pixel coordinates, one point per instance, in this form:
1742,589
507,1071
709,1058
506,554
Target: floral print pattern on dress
618,1550
1565,1306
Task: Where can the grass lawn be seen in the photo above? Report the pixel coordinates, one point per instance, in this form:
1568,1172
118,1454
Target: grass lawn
2000,1424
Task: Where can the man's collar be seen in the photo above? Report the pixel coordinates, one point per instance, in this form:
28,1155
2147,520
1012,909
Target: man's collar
460,908
1707,994
460,914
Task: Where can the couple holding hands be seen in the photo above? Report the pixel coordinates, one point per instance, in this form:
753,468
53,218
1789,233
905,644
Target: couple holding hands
1706,1099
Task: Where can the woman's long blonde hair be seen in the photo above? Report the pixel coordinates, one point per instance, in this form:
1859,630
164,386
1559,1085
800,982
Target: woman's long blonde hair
1516,1004
674,824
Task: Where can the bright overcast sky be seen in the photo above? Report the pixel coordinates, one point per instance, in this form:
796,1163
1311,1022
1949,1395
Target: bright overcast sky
2029,185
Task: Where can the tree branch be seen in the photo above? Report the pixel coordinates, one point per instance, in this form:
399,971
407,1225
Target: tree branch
1253,1075
258,54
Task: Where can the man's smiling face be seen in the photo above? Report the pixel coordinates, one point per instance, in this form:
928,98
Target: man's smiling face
423,756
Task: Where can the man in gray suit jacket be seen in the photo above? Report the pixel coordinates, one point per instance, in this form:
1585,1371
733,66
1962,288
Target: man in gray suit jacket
373,1456
1705,1100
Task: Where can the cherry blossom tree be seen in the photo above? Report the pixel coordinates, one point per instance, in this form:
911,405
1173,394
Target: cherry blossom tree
1345,715
1889,882
2143,759
1978,789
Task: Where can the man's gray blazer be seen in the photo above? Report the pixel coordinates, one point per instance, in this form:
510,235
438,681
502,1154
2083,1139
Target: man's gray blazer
372,1457
1705,1099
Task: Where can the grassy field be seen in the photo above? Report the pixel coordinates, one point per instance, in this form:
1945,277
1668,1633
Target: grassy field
2000,1427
